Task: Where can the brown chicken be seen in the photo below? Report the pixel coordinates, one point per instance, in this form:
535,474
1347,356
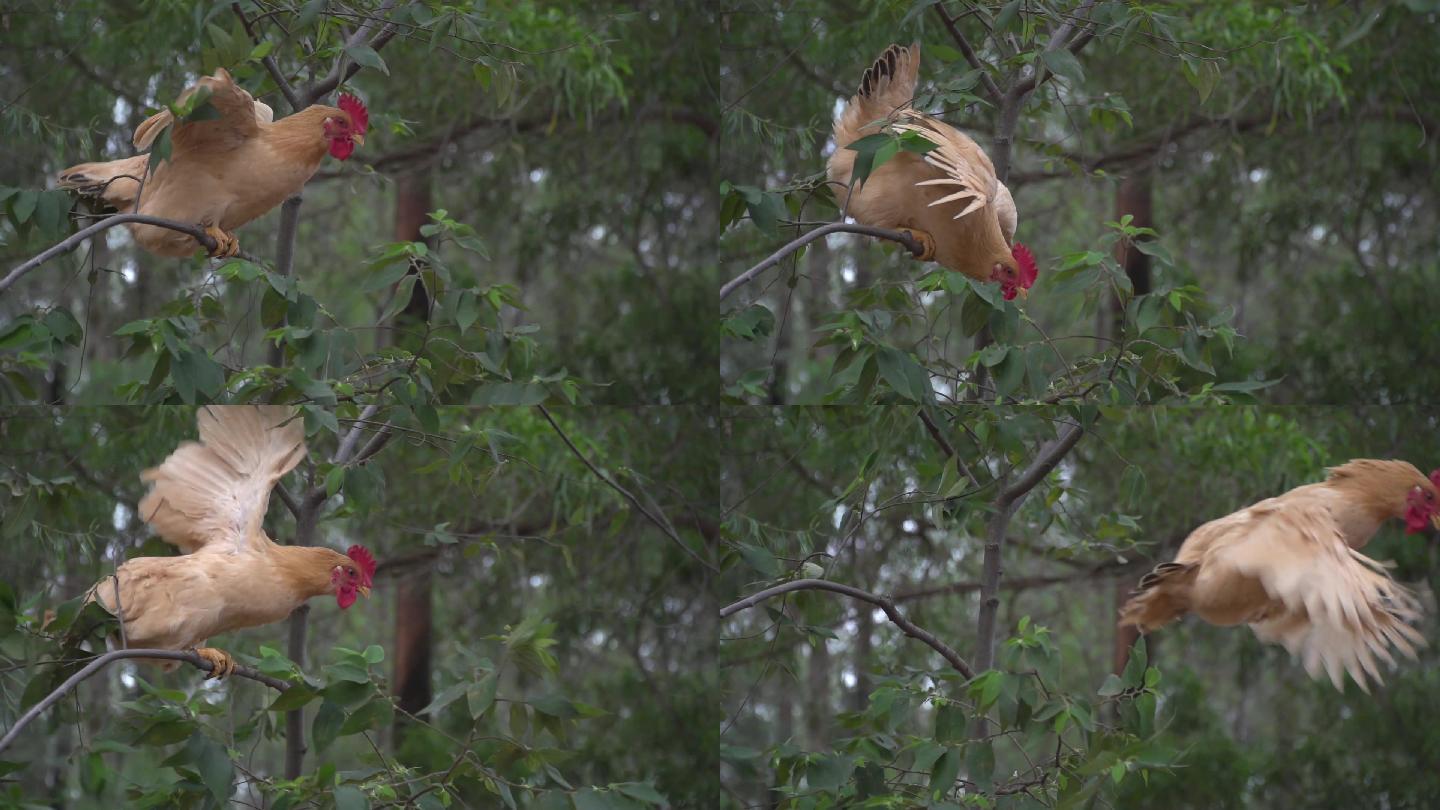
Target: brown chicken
1290,568
209,500
948,199
222,172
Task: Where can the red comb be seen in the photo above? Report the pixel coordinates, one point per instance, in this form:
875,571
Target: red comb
1028,270
365,560
359,116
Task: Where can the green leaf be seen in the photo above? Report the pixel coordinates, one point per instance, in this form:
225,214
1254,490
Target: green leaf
904,374
950,723
293,698
216,769
195,373
348,797
373,654
829,772
643,791
24,205
372,715
944,772
1112,686
446,696
1007,15
366,56
326,727
980,764
481,695
1062,62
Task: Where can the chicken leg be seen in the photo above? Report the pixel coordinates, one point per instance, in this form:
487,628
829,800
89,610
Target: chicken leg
221,664
927,243
226,245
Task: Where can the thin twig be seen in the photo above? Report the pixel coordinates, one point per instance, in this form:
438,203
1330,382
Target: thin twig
116,655
912,244
661,522
885,603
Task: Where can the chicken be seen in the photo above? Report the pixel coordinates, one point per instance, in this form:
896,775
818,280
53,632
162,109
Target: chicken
209,499
224,171
949,199
1290,567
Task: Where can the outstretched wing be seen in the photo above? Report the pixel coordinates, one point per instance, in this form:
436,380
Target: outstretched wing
1334,608
212,495
961,162
240,119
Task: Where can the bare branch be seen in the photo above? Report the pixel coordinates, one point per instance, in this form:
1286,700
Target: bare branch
885,603
74,240
970,56
908,241
662,522
108,658
1057,41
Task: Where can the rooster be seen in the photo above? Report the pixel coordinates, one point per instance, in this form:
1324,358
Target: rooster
949,200
209,498
222,172
1290,568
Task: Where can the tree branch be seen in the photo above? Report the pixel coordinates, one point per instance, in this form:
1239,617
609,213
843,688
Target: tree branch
296,105
108,658
1023,87
1049,456
909,242
885,603
73,241
661,522
1006,505
945,446
970,56
344,69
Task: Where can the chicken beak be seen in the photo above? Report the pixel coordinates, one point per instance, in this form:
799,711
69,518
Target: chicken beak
358,138
1435,520
364,590
1023,292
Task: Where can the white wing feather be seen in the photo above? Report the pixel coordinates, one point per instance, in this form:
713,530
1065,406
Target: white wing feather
212,495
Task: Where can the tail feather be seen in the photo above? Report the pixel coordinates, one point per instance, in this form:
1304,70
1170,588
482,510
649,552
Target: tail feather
1160,598
114,181
886,86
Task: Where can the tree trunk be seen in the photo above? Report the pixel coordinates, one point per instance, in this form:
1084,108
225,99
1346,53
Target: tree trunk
412,210
412,646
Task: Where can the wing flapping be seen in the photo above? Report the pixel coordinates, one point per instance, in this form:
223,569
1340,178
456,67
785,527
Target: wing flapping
972,174
1334,608
240,118
212,495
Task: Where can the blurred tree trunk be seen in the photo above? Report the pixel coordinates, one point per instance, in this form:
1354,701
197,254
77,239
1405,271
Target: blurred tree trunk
413,620
412,210
1135,197
818,704
413,637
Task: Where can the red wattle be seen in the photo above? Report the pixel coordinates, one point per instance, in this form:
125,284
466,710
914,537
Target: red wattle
345,597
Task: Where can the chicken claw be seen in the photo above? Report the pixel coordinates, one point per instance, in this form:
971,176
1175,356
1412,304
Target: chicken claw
221,664
226,245
927,243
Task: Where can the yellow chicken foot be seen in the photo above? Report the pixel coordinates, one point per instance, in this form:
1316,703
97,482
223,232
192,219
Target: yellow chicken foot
927,242
225,244
221,664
